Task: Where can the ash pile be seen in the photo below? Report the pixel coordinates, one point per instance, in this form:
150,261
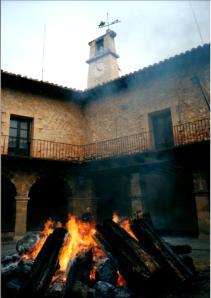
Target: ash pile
135,263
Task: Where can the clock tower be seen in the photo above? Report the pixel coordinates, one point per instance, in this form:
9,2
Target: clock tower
102,60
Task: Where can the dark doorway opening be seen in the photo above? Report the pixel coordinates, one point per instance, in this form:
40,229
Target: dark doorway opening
113,196
8,193
49,197
161,125
170,201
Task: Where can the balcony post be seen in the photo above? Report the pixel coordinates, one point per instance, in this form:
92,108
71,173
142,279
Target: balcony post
138,193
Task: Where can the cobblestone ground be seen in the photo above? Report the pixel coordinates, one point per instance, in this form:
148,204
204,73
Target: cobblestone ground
200,254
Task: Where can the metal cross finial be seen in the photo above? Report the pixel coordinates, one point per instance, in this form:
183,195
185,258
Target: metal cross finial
107,24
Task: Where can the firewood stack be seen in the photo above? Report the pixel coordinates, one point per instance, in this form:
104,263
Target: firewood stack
148,265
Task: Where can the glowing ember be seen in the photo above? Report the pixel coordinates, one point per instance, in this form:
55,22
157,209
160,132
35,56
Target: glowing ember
92,273
120,282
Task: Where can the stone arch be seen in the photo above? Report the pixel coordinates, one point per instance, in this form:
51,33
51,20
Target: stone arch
8,194
49,196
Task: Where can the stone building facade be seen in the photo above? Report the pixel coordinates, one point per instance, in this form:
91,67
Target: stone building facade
140,141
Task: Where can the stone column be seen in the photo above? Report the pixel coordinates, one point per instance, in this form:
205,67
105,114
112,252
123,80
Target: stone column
21,216
137,193
201,194
23,183
83,197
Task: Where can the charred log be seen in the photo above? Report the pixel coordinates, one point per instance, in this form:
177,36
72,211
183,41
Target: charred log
78,280
152,242
44,266
27,243
10,259
138,267
56,290
9,271
107,272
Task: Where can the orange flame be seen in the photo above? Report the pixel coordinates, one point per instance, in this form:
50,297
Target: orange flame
115,217
79,239
126,226
124,223
48,229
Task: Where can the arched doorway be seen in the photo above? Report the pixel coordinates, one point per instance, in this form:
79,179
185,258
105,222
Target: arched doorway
48,198
8,193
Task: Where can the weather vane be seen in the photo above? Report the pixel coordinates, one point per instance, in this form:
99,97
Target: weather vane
107,24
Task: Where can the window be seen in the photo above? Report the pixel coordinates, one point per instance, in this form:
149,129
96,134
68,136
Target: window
19,136
99,45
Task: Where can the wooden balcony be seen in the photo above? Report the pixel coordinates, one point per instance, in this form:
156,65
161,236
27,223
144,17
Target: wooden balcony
183,134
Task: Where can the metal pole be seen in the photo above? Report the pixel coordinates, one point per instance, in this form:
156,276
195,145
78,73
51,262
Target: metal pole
197,24
196,80
43,52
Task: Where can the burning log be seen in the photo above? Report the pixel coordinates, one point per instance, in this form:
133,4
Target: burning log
44,266
78,277
135,264
172,263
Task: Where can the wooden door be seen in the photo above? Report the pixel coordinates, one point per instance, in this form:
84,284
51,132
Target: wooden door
162,131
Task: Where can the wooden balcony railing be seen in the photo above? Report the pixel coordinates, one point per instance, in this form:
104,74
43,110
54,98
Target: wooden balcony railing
183,134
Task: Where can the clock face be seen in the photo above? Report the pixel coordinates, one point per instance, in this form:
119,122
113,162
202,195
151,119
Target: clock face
99,69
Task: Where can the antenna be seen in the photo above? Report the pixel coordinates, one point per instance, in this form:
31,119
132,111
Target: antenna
197,24
107,24
43,51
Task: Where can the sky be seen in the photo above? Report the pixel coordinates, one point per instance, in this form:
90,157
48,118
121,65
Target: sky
149,32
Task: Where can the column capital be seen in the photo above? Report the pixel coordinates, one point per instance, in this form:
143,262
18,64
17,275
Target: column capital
23,182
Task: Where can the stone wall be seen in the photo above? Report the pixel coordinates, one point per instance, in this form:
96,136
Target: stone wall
52,119
127,112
